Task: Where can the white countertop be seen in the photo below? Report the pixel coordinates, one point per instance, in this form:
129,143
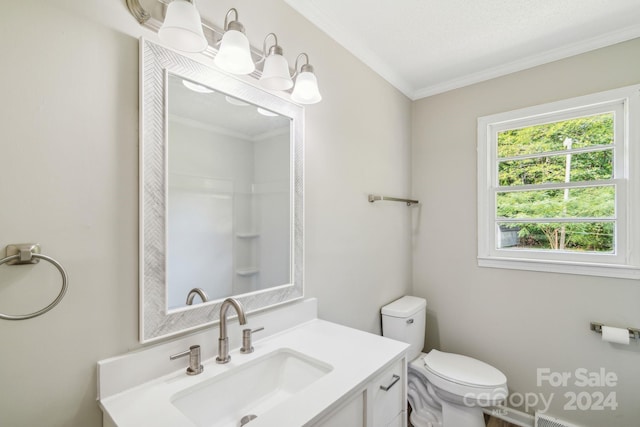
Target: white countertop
354,355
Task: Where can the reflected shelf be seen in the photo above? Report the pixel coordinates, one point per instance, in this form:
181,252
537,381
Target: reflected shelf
244,272
247,235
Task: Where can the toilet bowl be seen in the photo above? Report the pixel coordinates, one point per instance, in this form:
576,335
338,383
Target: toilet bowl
444,389
460,387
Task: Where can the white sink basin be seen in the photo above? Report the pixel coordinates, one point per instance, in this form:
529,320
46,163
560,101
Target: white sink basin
249,389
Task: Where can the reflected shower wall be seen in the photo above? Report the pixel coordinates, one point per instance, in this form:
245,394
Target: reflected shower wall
228,211
273,212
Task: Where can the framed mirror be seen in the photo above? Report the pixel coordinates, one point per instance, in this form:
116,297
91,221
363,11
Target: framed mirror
221,194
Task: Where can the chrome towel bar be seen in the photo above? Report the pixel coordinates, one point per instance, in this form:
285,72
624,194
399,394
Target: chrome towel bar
29,253
409,202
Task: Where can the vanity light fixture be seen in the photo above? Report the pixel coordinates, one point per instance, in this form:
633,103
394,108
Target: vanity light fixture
184,30
275,73
182,27
234,54
306,89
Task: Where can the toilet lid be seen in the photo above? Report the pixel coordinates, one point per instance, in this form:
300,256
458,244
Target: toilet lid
463,369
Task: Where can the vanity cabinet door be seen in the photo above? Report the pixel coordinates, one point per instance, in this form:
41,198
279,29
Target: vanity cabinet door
398,421
381,402
388,396
350,414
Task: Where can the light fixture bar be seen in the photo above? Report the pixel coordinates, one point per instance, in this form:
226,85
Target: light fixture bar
138,11
153,21
305,88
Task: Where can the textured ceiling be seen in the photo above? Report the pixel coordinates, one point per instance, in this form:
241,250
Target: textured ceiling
424,47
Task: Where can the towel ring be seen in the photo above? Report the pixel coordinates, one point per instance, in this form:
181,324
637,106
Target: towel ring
29,254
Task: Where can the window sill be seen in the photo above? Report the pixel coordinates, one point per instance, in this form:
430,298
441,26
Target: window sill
565,267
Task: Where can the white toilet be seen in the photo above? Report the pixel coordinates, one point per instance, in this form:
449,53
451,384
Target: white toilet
444,389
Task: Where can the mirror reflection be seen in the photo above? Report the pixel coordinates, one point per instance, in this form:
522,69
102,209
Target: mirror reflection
229,196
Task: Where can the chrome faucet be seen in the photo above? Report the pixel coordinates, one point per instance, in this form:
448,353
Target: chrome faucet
196,291
223,341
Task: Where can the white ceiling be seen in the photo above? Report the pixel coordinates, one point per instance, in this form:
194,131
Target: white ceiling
424,47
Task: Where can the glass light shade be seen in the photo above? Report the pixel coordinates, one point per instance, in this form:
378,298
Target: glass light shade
196,87
306,90
267,112
235,101
182,28
275,75
234,55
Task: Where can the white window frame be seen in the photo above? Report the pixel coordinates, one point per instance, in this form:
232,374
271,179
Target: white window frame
624,262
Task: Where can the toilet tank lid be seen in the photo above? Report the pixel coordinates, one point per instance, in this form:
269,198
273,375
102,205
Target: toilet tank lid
404,307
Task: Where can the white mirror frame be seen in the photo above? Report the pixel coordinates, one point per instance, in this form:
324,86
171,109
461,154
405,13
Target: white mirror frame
156,322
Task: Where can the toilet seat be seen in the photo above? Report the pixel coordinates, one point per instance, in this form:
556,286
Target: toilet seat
462,375
463,370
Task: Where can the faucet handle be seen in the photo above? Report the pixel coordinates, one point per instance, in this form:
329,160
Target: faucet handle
195,367
246,339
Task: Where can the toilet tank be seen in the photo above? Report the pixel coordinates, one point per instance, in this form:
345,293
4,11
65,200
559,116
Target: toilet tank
404,320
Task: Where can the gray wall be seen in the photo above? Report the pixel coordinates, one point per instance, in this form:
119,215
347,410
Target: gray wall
516,320
69,180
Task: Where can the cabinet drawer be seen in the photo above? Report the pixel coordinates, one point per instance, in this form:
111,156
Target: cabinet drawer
388,394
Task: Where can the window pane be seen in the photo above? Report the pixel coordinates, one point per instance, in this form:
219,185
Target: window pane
582,132
592,166
592,202
576,237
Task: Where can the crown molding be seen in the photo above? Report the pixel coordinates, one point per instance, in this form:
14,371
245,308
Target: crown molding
531,61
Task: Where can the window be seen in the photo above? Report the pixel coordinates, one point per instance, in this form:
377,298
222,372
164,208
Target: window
558,186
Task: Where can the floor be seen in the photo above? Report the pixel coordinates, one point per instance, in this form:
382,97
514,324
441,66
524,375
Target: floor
488,419
496,422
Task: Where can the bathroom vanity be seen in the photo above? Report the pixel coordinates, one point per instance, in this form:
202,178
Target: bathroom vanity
315,373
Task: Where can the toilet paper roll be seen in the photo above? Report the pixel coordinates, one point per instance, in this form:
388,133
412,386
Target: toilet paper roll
615,335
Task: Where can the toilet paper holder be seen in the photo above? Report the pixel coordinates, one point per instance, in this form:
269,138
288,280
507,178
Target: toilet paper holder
634,333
